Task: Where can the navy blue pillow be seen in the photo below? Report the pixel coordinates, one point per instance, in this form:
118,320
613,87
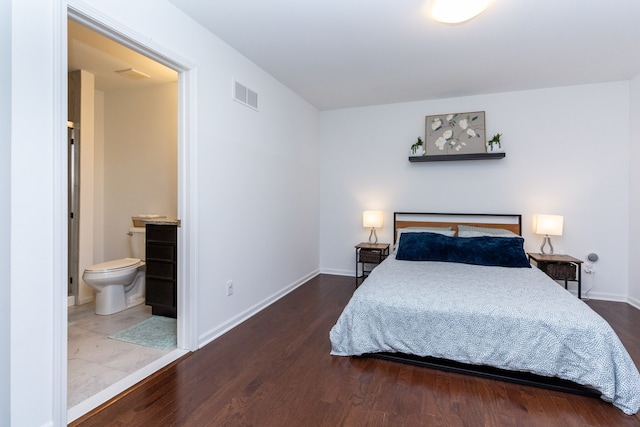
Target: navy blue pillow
485,250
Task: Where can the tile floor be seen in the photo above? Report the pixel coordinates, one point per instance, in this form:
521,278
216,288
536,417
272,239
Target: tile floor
95,361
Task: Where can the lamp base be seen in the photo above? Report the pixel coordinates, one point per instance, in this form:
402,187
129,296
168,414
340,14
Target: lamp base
373,237
547,240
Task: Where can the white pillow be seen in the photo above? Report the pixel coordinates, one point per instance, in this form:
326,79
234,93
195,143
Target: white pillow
471,231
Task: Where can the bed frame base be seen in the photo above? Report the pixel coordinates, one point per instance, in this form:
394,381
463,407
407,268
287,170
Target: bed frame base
523,378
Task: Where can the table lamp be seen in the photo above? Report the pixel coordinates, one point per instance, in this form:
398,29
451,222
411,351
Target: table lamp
373,220
548,225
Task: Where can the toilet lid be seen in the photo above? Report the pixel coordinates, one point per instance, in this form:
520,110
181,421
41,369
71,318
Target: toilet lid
117,264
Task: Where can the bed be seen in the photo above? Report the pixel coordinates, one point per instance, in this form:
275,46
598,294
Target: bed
455,294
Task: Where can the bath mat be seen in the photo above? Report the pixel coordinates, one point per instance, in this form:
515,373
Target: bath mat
155,332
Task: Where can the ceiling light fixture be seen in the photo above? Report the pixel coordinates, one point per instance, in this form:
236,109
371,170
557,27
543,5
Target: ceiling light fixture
457,11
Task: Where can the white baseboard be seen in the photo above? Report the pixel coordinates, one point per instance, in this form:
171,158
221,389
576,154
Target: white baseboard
634,302
601,296
337,272
212,334
85,300
71,301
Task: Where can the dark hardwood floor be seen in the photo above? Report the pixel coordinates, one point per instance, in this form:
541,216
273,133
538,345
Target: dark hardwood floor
275,370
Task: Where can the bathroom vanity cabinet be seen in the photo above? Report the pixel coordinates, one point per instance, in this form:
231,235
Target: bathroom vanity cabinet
162,269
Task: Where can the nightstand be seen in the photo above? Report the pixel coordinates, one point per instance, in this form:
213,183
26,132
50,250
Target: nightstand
560,267
369,253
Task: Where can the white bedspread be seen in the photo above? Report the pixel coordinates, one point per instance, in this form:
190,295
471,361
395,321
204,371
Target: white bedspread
510,318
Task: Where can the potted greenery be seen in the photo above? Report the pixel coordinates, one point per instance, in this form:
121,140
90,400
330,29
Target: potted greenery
417,149
495,140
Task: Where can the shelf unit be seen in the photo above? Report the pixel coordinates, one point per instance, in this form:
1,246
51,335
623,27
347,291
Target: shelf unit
162,269
457,157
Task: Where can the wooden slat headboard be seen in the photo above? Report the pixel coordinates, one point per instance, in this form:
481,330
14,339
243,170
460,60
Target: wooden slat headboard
511,222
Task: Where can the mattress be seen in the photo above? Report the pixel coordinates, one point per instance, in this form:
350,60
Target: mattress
509,318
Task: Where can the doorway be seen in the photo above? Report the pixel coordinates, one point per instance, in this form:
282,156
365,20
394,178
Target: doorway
186,173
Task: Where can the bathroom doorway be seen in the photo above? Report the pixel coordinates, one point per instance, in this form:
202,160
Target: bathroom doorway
122,163
122,148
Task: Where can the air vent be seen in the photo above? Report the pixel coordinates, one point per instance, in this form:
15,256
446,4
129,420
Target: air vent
244,95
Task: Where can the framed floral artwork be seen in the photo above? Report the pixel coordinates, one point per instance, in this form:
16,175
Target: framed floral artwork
457,133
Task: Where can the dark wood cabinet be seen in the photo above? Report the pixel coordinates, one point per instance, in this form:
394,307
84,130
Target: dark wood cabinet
162,269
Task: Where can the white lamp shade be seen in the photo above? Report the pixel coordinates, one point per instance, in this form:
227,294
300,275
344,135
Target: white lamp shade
457,11
550,225
372,219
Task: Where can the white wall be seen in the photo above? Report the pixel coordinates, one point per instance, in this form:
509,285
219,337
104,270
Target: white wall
258,186
259,194
5,211
34,222
140,163
634,193
566,154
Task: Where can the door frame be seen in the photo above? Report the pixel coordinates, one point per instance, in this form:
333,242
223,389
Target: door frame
187,330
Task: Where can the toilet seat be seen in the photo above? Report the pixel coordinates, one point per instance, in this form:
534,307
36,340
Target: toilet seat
115,265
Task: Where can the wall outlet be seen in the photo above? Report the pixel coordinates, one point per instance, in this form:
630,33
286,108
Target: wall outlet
230,288
588,268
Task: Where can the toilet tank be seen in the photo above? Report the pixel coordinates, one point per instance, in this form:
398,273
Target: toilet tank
137,242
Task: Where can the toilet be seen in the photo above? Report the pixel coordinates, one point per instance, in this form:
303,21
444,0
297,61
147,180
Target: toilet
120,284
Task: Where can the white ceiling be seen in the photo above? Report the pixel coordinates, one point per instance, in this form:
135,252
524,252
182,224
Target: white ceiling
102,57
348,53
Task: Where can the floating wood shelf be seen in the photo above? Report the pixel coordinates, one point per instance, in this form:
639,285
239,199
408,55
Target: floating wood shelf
456,157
